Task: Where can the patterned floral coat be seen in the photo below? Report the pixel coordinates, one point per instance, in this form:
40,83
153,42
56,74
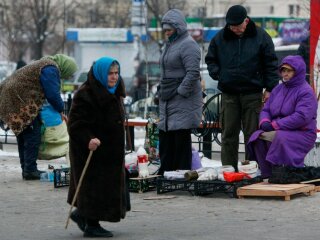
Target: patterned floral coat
22,96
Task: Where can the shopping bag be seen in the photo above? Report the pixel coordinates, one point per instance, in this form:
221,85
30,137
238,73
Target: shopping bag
235,176
54,142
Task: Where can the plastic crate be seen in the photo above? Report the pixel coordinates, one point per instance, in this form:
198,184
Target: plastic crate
217,186
169,185
201,188
141,185
214,186
61,177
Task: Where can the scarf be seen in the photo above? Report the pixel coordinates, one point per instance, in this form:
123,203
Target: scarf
173,36
66,64
101,69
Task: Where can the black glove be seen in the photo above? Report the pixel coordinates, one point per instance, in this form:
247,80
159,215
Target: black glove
214,76
203,94
267,127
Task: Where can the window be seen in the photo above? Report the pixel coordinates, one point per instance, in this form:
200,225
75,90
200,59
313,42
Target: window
201,12
294,10
291,10
271,9
298,10
248,9
1,17
94,15
71,17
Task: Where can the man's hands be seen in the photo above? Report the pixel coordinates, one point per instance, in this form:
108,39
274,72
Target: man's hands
266,96
94,144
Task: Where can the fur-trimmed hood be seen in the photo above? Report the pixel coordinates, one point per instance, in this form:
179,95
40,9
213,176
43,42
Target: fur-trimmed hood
250,31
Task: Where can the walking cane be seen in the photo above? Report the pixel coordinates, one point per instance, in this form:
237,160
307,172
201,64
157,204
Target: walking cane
78,187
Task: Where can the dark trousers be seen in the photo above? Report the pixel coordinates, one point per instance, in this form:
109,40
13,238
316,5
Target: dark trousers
238,112
28,146
261,148
175,150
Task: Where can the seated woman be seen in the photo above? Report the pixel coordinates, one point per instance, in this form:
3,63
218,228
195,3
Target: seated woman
287,121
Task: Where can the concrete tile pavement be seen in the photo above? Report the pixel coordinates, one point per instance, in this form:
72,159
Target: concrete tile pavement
34,210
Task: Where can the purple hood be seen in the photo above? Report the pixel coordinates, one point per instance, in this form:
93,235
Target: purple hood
298,64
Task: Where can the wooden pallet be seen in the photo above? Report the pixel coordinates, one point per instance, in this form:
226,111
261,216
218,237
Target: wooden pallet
316,182
275,190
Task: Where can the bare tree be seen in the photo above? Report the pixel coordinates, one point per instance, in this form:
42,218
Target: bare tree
156,9
103,13
33,24
116,13
38,26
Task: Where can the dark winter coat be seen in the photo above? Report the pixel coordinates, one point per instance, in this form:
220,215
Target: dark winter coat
180,93
304,51
95,113
244,64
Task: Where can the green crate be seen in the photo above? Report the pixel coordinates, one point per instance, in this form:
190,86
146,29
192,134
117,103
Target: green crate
141,185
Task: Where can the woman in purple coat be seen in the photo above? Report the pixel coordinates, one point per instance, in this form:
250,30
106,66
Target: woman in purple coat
287,121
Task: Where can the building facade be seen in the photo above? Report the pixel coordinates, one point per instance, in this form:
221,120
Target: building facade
283,8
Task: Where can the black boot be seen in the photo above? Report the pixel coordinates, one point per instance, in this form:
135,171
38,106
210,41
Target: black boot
78,219
96,232
31,175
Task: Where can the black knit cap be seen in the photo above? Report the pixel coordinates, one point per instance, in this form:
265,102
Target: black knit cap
236,15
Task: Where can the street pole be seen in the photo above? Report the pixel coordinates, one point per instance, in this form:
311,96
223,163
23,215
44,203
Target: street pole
144,15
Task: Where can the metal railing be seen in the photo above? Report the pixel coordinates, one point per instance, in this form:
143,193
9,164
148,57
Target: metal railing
210,129
6,135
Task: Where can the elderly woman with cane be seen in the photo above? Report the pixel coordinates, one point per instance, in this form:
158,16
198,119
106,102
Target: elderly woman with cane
96,123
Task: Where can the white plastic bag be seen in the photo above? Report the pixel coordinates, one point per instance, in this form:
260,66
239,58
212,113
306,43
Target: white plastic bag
251,169
131,160
209,174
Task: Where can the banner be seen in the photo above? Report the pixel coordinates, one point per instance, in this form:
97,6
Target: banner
293,31
315,44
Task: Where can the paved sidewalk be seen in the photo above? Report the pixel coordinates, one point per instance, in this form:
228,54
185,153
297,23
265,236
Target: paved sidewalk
34,210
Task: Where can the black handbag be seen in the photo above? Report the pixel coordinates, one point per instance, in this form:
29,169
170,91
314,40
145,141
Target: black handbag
287,174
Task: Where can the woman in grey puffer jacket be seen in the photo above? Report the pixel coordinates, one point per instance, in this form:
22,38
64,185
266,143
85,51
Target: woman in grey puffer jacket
179,94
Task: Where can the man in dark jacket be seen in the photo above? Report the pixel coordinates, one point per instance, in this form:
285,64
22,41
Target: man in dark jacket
304,51
242,59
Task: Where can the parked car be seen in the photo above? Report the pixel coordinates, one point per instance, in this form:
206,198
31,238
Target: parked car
209,86
6,69
139,83
137,109
70,86
3,73
79,78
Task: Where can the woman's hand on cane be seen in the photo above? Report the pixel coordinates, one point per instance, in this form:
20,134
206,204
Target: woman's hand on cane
94,144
